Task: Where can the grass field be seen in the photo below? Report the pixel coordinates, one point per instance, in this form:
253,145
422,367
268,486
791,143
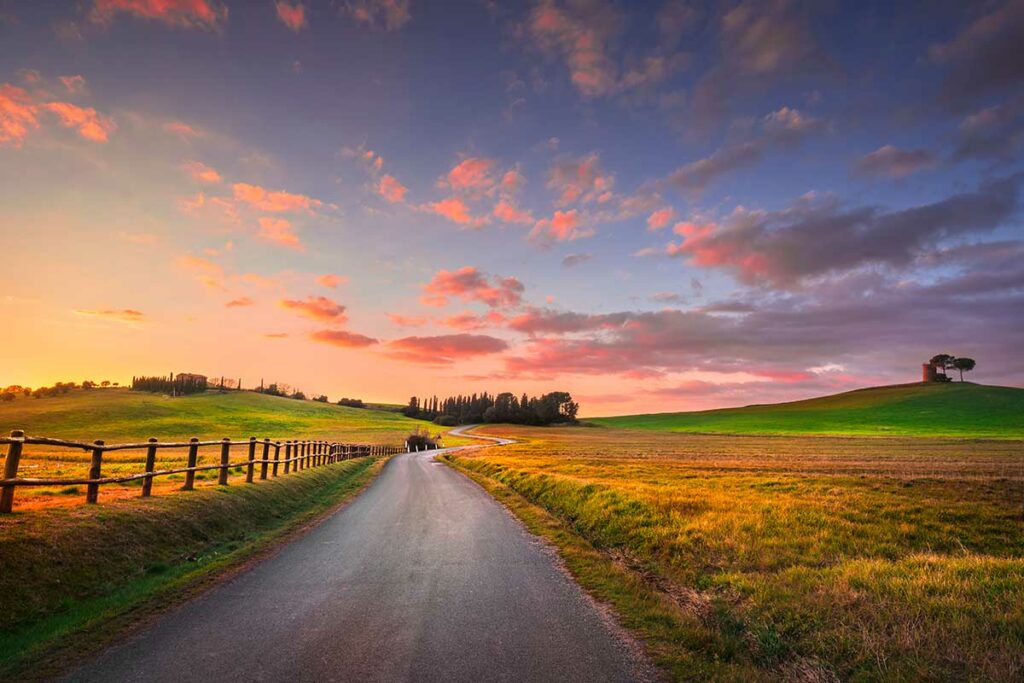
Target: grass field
119,416
802,558
953,409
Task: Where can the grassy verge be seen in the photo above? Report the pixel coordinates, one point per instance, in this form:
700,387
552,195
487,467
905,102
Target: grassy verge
675,639
784,559
72,580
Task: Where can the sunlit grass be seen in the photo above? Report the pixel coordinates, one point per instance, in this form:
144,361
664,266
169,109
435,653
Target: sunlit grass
952,409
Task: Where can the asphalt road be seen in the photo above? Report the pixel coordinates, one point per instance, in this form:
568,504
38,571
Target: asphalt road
423,577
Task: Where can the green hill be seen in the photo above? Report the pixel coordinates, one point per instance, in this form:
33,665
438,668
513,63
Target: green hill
955,409
118,415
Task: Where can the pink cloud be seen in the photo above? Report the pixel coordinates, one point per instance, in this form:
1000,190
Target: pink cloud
342,339
455,210
291,15
387,14
563,226
200,172
207,272
316,308
660,218
581,40
390,189
239,302
73,84
580,181
206,14
274,201
331,281
467,320
469,284
512,181
182,130
90,125
472,175
279,231
506,211
444,349
407,320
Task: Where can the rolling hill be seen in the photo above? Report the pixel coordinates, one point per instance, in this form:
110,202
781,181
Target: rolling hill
955,409
118,415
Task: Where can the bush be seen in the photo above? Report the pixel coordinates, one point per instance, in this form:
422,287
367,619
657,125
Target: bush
446,420
322,398
352,403
7,396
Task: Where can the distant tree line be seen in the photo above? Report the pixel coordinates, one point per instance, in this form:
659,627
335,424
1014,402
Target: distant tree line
182,385
552,408
11,392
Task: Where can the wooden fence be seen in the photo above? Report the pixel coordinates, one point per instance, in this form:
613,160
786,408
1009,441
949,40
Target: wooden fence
298,454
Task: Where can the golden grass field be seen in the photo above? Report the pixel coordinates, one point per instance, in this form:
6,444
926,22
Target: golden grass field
802,558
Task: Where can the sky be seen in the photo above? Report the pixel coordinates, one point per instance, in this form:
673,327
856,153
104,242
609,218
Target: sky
655,206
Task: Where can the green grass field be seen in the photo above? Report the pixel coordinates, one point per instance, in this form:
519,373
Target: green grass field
121,415
955,409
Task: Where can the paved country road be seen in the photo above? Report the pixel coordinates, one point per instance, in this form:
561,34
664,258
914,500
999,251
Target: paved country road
423,577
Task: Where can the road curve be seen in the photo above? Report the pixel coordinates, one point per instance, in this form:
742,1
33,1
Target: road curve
423,577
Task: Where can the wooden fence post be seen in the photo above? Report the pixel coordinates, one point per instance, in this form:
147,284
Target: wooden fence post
287,456
92,491
11,470
266,456
277,455
193,457
252,460
300,453
147,483
225,458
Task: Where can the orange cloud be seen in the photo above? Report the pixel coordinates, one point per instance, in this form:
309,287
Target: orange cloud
274,201
279,231
469,284
206,14
90,125
507,212
292,16
660,218
444,349
239,302
316,308
209,273
343,339
390,189
128,315
17,114
331,281
202,173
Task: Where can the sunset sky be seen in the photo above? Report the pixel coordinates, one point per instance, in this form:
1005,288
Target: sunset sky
654,206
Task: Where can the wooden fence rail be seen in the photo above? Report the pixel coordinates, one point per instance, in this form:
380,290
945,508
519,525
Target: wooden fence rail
299,454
